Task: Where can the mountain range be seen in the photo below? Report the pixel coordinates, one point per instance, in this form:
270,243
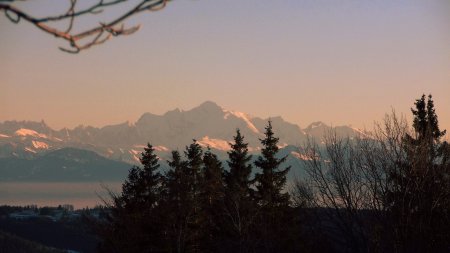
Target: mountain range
210,124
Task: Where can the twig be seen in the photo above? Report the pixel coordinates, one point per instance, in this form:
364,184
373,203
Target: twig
98,34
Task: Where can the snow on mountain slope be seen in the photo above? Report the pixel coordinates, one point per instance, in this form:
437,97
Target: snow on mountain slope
282,145
214,143
318,130
361,132
28,132
242,116
208,123
301,156
135,154
161,148
30,150
40,145
316,125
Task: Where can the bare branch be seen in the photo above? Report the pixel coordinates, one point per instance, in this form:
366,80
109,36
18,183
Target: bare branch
95,35
15,20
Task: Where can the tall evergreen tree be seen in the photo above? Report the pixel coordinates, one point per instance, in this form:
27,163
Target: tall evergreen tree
238,178
212,195
273,201
194,155
150,177
134,222
177,203
419,197
271,182
425,121
240,209
131,193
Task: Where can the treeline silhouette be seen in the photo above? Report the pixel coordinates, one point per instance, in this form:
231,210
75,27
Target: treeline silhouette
387,192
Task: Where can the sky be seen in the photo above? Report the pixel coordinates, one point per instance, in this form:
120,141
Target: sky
343,62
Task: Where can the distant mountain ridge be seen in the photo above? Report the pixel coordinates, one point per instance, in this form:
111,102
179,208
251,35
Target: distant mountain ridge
63,165
208,123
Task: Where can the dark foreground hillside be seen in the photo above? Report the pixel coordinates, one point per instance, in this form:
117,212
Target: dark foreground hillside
31,235
13,244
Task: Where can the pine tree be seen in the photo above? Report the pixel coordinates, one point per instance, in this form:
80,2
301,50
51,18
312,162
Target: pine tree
212,185
425,121
135,218
271,182
419,195
240,209
238,178
150,177
194,154
177,203
130,188
273,201
212,196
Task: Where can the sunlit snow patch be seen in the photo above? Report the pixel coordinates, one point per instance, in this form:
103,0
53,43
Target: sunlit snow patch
30,150
39,145
214,143
301,156
161,148
28,132
242,116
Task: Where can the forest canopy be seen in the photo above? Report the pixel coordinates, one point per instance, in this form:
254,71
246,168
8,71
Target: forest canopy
389,192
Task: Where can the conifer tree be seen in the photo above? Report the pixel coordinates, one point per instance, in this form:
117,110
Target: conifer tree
150,177
134,222
274,203
425,121
130,188
238,178
240,209
194,154
212,185
271,182
212,195
419,197
177,203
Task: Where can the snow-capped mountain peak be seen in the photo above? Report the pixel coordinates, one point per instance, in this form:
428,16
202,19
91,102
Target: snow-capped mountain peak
208,123
245,117
316,124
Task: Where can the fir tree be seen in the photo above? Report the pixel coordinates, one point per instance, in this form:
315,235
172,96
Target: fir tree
425,121
212,185
240,209
419,197
271,182
194,154
134,223
238,178
212,195
130,188
150,177
177,203
273,201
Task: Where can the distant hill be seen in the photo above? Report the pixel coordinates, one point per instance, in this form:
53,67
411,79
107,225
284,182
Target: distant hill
63,165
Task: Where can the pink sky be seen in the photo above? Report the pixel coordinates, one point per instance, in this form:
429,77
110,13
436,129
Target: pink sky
341,62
